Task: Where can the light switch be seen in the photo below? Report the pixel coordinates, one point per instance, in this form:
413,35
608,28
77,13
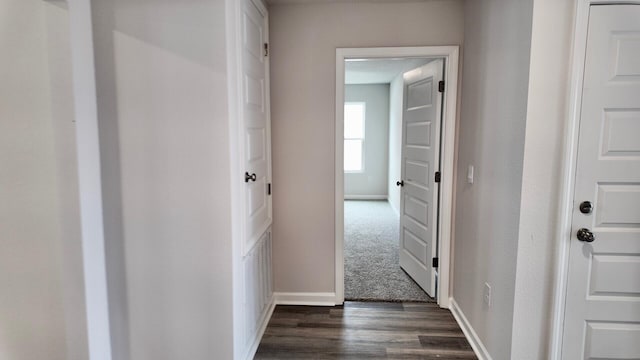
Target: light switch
470,174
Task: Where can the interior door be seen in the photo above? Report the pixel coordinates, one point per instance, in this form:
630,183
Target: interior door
255,109
602,314
422,109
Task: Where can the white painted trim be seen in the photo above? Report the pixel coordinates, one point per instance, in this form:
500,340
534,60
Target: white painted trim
233,54
476,344
339,180
563,232
307,299
448,179
569,157
395,211
451,56
365,197
89,180
255,342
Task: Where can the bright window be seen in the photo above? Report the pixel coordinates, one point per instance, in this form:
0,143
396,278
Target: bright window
354,136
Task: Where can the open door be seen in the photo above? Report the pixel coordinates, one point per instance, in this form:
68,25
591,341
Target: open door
422,110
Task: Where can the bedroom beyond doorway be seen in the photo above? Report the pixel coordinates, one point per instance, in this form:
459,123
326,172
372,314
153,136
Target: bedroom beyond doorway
371,255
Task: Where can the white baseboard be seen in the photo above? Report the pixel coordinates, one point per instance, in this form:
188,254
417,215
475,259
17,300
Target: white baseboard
263,326
365,197
467,329
396,211
311,299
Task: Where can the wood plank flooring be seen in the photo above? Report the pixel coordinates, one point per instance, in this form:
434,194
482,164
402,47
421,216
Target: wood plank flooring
364,330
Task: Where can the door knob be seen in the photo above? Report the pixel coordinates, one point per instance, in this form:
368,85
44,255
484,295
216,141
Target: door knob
400,183
248,177
586,207
585,235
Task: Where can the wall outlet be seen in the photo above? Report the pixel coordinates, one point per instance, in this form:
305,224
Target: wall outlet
470,174
486,295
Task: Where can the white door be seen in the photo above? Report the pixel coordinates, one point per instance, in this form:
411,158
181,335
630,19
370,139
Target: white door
602,314
422,109
255,107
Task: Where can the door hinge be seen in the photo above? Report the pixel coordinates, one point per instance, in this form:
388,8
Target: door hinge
441,86
269,189
438,177
434,262
266,49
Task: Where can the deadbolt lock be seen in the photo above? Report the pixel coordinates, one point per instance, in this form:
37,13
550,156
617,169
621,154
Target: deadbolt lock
586,207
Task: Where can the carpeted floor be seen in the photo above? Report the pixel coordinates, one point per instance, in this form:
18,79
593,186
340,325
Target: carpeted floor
372,268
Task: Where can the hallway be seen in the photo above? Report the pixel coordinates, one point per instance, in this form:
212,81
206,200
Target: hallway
364,330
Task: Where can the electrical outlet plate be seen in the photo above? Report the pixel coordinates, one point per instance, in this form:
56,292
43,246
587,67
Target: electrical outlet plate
470,174
486,294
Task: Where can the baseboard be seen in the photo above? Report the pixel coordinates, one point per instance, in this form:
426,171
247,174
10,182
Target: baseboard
365,197
467,329
263,326
396,211
311,299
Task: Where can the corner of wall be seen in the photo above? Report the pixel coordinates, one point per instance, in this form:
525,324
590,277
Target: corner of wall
548,106
474,340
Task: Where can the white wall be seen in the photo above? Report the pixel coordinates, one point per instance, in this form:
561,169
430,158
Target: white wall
303,44
396,90
491,137
373,180
164,132
542,177
34,98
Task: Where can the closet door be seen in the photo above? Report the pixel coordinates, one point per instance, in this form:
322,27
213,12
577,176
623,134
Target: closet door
256,157
257,132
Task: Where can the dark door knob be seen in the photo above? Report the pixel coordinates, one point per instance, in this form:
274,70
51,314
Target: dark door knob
585,235
586,207
248,177
400,183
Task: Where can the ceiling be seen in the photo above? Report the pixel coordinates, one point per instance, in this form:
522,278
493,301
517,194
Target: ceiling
378,71
278,2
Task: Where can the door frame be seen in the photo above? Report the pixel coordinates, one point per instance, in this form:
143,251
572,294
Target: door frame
94,296
447,165
569,161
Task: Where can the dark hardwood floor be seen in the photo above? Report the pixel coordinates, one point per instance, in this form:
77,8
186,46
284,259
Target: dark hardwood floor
364,330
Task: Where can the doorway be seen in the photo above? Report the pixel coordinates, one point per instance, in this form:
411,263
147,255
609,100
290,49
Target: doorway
377,265
449,59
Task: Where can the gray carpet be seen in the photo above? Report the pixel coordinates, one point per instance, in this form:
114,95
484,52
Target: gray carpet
372,268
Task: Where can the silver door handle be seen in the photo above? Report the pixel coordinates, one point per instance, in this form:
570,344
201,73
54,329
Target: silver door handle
585,235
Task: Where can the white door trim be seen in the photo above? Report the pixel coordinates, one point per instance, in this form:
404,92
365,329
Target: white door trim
569,157
94,261
451,56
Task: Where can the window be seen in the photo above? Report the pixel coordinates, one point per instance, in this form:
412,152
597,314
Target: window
354,136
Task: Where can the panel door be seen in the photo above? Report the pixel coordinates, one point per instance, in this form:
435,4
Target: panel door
421,122
602,316
255,108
